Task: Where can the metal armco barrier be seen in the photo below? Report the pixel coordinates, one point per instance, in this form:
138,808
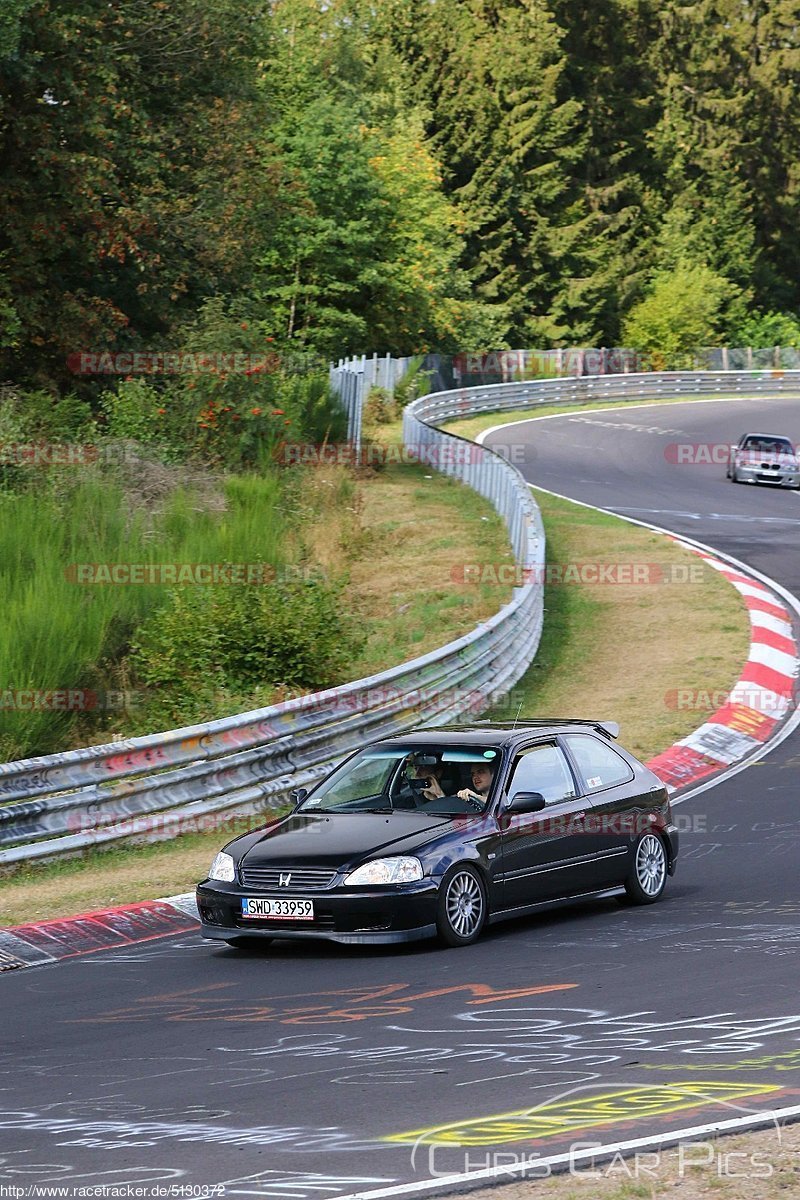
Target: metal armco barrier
156,786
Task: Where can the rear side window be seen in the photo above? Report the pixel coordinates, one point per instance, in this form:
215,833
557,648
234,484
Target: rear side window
598,763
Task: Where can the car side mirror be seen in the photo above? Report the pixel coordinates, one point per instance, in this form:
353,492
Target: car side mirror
524,802
298,796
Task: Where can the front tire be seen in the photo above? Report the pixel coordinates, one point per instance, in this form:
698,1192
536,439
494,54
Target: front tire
462,908
648,874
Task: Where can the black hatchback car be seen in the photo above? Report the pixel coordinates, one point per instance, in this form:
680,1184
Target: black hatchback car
443,830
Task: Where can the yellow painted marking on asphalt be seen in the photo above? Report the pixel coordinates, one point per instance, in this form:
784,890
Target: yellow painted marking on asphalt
566,1116
790,1061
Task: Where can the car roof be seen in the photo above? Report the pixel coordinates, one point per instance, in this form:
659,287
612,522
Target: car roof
780,437
500,733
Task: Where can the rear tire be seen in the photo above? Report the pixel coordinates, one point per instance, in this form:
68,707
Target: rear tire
648,874
462,907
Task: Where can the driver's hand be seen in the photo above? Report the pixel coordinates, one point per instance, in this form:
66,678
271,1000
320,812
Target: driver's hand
468,794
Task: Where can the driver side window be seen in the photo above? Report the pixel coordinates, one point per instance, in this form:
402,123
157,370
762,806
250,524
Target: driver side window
543,769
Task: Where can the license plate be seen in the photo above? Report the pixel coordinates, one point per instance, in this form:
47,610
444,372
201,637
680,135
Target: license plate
283,910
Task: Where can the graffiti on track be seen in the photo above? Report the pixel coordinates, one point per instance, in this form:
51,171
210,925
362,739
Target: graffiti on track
584,1112
223,1002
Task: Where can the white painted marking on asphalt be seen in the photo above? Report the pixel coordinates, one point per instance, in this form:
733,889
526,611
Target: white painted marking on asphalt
720,742
745,518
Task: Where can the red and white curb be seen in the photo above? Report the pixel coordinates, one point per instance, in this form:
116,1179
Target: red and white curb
759,701
43,942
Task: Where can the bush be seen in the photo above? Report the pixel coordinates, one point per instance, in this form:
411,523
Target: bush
289,633
41,416
763,330
684,310
379,408
414,383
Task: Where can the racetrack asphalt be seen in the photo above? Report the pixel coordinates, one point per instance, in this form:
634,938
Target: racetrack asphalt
308,1070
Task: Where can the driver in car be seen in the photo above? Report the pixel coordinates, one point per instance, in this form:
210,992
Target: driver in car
482,775
432,775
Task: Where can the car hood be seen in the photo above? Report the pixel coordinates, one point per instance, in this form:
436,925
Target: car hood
339,839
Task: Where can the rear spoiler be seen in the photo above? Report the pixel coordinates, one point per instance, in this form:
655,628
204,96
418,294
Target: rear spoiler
609,728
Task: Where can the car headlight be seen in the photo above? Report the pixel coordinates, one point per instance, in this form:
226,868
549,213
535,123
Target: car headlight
386,870
223,868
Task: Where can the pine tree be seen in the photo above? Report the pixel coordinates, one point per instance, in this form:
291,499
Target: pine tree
490,79
703,142
606,44
773,149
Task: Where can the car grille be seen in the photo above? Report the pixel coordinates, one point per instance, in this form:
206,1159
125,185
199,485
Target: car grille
301,878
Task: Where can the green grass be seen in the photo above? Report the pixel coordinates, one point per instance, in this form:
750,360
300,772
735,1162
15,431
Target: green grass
55,631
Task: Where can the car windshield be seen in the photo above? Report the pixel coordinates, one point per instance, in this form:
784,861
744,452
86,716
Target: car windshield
434,778
768,445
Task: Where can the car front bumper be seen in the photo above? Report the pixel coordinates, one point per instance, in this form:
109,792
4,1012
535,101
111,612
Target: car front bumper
787,479
349,915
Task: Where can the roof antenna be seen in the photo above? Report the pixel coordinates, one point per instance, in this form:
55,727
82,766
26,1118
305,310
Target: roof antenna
516,718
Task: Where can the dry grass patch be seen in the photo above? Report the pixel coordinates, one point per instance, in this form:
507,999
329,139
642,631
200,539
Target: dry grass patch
418,529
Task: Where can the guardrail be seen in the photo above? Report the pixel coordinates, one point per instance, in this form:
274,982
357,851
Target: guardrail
596,389
155,786
150,787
